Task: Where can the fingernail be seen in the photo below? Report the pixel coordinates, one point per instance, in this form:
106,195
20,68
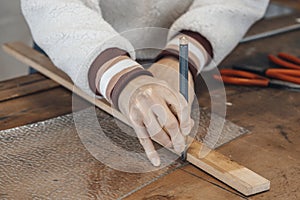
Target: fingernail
155,161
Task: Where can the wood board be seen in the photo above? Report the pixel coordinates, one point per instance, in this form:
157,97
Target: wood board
221,167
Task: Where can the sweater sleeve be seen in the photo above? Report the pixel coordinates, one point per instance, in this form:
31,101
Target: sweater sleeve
73,33
223,23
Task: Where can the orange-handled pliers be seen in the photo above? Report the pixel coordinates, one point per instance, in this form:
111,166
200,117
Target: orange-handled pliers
239,77
248,75
292,65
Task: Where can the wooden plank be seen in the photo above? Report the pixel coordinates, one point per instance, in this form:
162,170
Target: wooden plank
290,3
274,145
187,187
38,107
238,177
27,89
22,80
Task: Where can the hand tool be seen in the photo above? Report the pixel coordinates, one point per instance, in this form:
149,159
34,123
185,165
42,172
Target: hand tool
272,32
286,60
183,76
257,76
240,77
287,68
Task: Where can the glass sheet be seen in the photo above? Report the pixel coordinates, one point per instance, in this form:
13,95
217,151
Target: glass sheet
48,160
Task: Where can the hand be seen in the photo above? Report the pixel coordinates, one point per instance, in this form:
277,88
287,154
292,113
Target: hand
167,69
158,112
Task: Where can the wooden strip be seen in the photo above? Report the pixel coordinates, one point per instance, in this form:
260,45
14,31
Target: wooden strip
22,80
27,89
41,63
236,176
231,173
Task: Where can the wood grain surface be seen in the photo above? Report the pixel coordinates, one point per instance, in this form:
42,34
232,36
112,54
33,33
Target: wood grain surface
32,105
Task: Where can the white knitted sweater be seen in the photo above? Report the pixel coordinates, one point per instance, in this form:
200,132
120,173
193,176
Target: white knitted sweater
74,32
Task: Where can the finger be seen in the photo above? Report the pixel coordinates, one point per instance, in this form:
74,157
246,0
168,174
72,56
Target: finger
180,108
148,146
136,117
155,130
153,126
163,139
172,127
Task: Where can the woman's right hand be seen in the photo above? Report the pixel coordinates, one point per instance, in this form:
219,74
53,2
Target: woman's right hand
156,112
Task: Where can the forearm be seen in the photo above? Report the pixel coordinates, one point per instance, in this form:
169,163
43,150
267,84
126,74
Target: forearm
73,33
222,23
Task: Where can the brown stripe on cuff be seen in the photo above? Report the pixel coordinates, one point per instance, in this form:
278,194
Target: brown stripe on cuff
102,58
201,39
175,54
115,79
123,81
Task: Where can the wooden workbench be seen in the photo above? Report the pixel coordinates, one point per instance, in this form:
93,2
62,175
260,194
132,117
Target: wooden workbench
272,115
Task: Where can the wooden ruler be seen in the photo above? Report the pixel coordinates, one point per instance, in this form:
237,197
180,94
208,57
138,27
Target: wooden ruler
221,167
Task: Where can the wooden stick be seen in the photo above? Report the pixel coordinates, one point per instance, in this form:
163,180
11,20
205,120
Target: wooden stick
221,167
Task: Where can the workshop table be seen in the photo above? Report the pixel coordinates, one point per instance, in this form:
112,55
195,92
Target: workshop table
272,149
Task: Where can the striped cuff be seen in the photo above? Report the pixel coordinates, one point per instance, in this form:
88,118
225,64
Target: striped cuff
200,51
123,81
110,76
99,62
111,72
